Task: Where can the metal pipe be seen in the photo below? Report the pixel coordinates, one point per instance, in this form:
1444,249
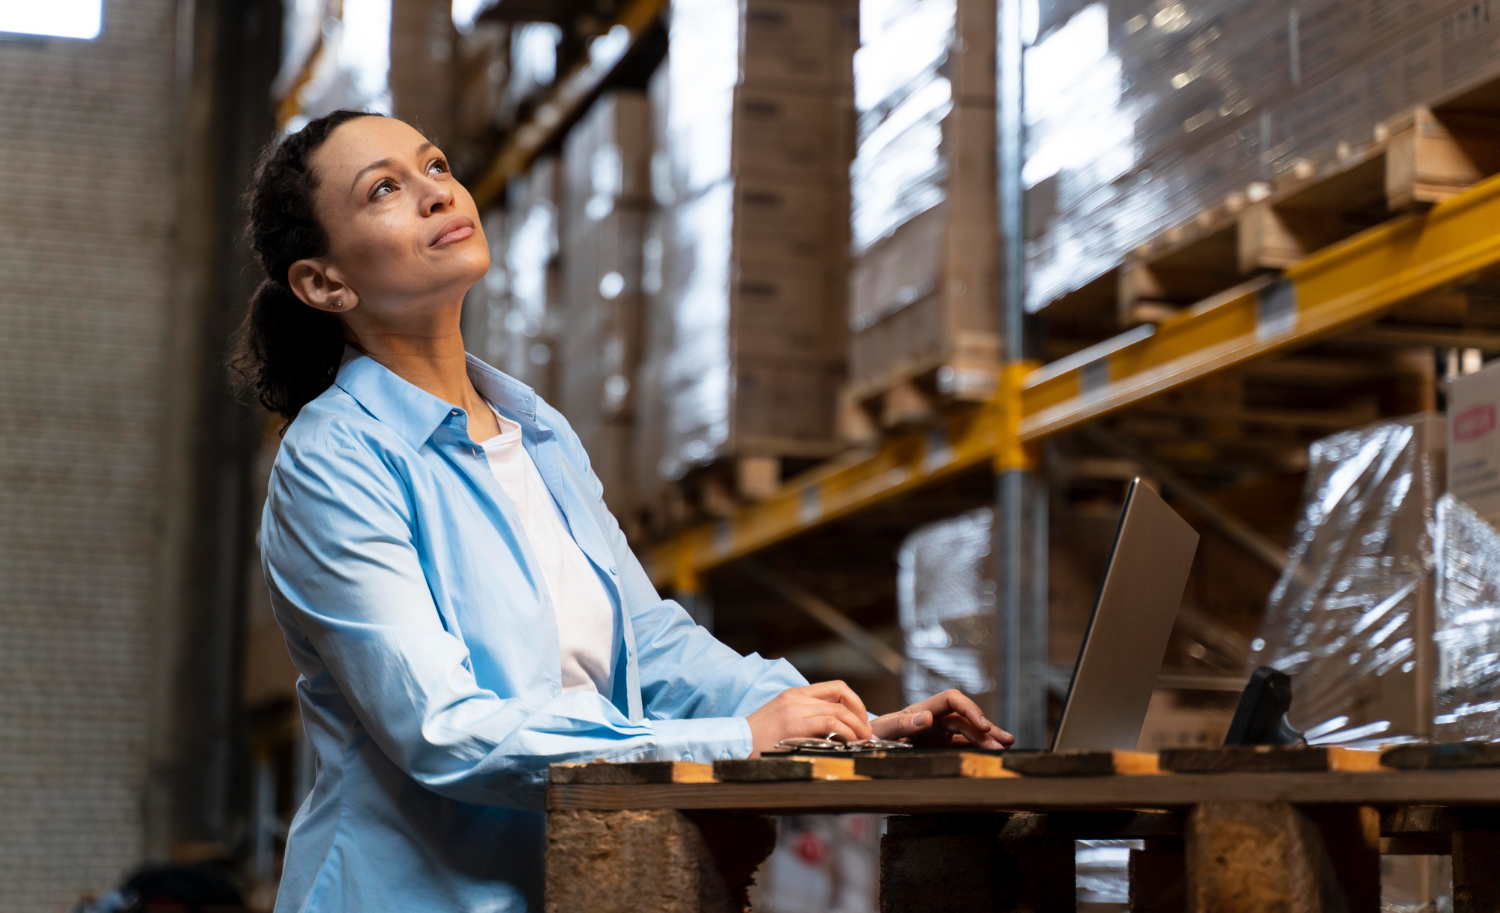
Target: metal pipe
1020,532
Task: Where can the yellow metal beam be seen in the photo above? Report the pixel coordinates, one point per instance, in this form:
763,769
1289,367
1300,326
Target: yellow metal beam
567,100
1337,288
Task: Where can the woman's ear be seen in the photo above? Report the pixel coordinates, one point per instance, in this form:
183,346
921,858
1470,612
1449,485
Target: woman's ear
320,287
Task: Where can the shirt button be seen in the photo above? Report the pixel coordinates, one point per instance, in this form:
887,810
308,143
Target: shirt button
724,755
686,756
612,570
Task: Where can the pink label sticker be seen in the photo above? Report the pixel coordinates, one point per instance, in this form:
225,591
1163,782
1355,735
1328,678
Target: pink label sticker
1474,423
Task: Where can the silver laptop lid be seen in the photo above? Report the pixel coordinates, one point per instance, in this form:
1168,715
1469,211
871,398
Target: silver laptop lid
1127,635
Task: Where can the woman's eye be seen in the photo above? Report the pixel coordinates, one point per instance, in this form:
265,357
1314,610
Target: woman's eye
382,188
438,166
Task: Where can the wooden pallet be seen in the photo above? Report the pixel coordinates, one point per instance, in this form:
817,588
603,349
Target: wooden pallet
1238,830
1424,157
918,394
713,492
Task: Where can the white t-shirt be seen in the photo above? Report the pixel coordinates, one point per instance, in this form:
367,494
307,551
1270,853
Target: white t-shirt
585,616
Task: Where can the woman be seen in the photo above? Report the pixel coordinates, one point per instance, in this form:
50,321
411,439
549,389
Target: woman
461,606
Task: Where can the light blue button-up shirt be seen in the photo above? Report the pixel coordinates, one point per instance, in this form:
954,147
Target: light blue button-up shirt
430,683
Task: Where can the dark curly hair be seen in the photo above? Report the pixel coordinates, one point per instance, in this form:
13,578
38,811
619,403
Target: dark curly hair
286,353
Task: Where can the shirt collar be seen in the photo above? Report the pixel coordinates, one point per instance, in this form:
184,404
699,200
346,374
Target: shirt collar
412,412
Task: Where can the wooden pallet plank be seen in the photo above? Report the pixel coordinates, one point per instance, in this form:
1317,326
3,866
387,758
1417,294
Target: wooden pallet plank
1450,756
764,770
1082,763
606,773
900,765
1266,759
960,793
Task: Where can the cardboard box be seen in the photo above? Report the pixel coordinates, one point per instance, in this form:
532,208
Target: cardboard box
799,44
792,136
1186,112
1354,616
1474,441
928,292
903,43
606,160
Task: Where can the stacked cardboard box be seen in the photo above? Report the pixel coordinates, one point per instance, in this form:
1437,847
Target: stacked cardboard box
746,343
511,319
924,282
605,196
1140,116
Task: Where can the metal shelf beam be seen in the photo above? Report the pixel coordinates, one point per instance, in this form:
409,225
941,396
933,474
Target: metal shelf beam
1333,290
567,101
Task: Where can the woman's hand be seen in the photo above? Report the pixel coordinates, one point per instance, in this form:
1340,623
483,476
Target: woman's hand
944,720
810,712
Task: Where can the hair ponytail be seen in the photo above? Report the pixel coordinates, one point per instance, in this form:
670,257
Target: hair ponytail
285,353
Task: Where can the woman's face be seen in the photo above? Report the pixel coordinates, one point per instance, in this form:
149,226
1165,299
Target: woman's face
404,237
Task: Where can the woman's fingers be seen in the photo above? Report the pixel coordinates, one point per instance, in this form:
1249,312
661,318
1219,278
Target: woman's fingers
834,725
856,723
954,723
955,701
839,693
902,724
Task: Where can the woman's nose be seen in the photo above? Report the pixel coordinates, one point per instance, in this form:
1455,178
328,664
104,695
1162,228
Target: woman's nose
438,197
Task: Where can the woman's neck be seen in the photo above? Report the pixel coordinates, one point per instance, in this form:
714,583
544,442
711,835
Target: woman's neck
436,364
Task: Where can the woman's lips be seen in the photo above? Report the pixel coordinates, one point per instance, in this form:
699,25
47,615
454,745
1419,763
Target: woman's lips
453,231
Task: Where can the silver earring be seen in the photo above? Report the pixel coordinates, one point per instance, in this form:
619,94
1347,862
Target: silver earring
339,303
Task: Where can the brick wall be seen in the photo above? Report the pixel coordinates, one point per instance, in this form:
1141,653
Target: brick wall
88,141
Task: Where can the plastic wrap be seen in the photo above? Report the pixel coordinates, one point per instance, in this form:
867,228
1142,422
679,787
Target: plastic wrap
922,190
1345,618
779,107
533,65
510,320
745,338
1142,114
605,197
946,602
352,69
920,62
1466,634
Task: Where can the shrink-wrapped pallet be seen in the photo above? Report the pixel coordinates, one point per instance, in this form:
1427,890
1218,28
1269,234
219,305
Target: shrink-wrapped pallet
1142,116
605,200
923,285
1388,615
511,319
945,597
745,342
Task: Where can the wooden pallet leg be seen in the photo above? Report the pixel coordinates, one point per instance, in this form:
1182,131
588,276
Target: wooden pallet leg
659,860
960,864
1252,857
1158,876
1476,871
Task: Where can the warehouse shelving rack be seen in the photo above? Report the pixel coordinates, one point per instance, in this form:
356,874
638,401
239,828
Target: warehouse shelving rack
1338,288
1330,293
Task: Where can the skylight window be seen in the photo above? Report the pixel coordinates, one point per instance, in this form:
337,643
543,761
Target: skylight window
57,18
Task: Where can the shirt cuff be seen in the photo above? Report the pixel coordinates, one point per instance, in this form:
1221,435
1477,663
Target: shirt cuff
703,740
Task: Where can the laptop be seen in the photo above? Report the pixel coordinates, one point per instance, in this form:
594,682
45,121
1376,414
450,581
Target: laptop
1127,636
